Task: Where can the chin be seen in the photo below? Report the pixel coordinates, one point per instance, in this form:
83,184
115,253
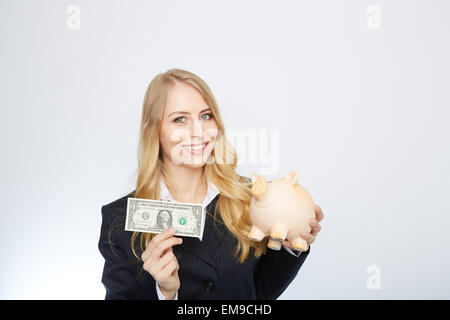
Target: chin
194,166
196,162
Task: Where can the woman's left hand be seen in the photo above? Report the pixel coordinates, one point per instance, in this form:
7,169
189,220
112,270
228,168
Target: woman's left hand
315,228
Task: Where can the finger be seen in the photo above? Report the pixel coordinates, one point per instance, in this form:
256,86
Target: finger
315,228
319,213
165,246
166,251
169,249
176,270
168,270
162,262
164,235
149,252
159,247
159,237
308,237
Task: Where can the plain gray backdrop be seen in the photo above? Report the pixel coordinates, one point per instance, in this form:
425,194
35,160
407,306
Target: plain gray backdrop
358,92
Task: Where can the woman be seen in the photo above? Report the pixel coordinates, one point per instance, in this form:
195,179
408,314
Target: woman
184,156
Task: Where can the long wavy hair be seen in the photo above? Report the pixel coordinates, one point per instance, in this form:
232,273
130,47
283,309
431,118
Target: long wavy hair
234,199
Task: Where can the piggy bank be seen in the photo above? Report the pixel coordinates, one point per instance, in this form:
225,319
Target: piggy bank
282,209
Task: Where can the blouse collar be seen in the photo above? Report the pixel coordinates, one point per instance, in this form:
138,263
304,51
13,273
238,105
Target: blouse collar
212,192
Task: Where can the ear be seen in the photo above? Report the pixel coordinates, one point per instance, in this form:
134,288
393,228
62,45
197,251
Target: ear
255,177
291,177
259,185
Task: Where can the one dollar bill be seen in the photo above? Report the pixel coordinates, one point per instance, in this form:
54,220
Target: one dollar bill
155,216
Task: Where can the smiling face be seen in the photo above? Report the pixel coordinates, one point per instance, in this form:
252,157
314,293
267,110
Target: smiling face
188,128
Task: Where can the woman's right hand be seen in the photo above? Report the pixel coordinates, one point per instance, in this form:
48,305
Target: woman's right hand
161,263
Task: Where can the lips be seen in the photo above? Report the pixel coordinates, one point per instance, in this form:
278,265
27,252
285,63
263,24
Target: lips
196,147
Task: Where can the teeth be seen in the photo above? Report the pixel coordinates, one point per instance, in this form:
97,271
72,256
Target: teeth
197,147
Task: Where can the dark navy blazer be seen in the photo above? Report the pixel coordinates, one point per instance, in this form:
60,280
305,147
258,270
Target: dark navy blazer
208,269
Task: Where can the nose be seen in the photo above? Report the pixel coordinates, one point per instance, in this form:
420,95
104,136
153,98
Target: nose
196,130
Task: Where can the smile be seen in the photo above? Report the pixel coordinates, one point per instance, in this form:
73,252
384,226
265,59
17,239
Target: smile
196,148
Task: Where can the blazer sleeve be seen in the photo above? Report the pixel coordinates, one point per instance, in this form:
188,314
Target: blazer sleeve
119,273
275,271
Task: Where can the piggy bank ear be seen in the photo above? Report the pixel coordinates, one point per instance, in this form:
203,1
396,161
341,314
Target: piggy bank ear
291,177
256,177
259,185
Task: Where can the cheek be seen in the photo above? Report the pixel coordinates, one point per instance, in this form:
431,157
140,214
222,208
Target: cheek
212,124
211,130
170,140
169,137
164,140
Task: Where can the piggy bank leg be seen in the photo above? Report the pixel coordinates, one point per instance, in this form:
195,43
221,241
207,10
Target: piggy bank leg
278,232
299,244
256,234
274,244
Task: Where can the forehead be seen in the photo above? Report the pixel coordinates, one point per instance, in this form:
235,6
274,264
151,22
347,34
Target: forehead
184,97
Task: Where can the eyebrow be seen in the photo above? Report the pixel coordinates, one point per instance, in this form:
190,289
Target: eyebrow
184,112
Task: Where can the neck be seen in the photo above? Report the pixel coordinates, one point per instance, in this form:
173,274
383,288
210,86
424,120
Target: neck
186,184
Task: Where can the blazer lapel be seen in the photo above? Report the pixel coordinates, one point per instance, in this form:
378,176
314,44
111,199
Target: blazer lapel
213,234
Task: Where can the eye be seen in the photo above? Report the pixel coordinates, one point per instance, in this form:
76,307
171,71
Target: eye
210,116
177,119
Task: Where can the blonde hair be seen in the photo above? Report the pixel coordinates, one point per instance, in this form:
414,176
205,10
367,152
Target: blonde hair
234,199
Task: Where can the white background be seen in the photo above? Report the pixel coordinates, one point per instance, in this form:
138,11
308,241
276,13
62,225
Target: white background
362,113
